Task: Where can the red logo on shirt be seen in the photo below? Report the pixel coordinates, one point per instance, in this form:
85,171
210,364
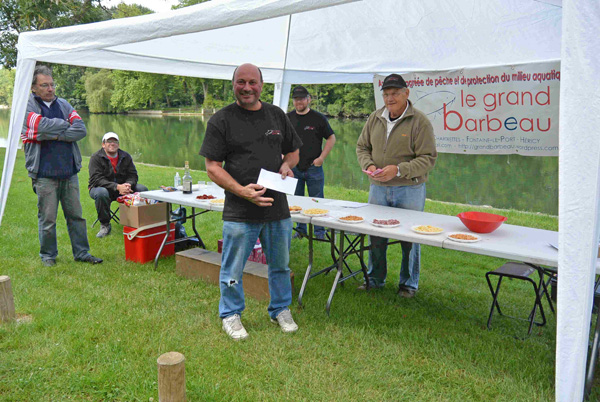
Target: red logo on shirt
273,132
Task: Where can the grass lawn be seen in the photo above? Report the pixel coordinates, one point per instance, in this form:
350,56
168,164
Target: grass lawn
95,332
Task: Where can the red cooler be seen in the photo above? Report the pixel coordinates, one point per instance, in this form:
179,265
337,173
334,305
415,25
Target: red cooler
144,246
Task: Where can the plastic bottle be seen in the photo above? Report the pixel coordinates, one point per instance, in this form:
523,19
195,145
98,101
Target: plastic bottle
177,180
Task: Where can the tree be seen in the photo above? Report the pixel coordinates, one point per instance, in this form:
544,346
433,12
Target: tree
99,89
187,3
129,10
18,16
7,79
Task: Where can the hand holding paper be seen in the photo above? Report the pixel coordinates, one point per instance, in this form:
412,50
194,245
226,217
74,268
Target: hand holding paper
274,181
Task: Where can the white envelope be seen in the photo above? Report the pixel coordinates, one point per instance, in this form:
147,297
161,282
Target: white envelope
274,181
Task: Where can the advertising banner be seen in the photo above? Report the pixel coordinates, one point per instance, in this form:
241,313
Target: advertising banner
491,110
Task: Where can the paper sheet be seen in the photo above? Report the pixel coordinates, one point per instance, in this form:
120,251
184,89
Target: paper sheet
274,181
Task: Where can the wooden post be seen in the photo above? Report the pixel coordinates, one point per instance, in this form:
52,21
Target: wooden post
171,377
7,303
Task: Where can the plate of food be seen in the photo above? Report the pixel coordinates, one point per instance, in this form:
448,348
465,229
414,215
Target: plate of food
205,197
351,219
315,212
295,209
385,223
218,201
427,229
462,237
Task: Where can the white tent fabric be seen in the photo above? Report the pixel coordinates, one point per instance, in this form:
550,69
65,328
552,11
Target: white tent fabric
348,43
579,192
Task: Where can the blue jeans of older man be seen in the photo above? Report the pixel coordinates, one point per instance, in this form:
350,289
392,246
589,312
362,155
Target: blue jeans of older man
406,197
314,179
66,191
239,239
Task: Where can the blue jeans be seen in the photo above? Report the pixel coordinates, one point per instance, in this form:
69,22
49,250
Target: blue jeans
66,191
314,178
103,198
239,239
407,197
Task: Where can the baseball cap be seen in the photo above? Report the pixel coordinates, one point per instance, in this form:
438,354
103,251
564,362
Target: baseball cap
110,135
393,81
300,92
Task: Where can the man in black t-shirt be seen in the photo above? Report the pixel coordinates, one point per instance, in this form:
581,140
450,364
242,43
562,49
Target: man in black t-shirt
313,128
240,140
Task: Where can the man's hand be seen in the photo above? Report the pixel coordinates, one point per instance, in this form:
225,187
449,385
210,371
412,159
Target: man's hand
254,193
285,171
387,174
124,188
318,162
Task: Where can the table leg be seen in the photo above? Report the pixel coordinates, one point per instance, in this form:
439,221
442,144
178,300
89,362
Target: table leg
340,268
310,263
194,228
167,231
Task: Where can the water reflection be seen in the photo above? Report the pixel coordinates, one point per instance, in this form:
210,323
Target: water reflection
503,181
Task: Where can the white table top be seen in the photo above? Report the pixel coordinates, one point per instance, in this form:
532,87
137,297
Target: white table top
511,242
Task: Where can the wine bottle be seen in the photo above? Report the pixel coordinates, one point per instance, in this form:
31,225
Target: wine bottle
187,179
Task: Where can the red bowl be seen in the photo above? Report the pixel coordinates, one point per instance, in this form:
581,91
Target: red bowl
481,222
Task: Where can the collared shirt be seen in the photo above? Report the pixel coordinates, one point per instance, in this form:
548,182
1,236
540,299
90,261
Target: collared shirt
391,124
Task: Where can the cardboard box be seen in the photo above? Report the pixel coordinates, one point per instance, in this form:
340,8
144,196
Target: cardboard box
198,263
144,246
136,217
256,255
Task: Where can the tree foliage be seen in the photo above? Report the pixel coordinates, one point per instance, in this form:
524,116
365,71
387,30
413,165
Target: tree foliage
99,89
18,16
7,79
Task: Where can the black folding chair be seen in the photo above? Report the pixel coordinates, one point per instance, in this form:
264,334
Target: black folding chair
522,271
113,216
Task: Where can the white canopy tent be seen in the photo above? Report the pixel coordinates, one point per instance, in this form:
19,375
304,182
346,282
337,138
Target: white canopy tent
348,43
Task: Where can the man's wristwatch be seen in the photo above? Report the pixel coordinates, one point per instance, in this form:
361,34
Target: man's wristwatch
398,174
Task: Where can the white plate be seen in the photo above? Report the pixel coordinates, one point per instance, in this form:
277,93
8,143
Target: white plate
218,201
414,229
314,215
464,240
295,212
379,225
345,221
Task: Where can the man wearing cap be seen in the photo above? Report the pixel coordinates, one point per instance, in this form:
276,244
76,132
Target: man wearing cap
112,173
50,133
313,128
397,141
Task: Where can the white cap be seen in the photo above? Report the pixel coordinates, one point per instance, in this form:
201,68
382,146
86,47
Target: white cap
110,135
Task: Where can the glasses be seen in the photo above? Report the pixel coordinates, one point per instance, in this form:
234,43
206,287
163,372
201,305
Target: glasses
46,86
112,141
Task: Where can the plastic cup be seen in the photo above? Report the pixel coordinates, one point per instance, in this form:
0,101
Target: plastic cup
201,184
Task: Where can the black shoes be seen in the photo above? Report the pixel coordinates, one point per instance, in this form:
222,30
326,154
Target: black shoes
90,259
49,263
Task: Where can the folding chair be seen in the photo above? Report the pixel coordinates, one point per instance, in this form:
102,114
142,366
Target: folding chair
522,271
113,216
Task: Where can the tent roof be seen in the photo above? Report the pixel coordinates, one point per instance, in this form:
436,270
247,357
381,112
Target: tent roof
346,43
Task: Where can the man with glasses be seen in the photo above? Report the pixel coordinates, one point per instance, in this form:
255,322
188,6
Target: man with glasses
397,149
50,133
112,173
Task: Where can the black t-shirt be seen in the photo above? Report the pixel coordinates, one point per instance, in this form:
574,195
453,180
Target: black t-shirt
312,128
247,141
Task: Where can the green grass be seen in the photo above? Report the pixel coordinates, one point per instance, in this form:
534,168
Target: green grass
96,331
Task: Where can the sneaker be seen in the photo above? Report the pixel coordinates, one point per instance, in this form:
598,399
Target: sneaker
49,262
298,235
89,259
234,328
363,287
405,291
104,231
285,321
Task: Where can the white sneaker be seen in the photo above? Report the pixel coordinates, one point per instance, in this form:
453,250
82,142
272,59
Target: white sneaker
285,321
234,328
104,231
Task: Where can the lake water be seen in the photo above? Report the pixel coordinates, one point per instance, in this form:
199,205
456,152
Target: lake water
503,181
